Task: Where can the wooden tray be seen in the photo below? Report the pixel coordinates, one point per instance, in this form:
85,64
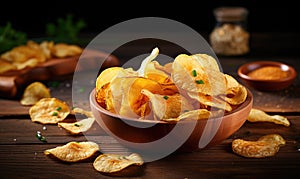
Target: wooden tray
11,83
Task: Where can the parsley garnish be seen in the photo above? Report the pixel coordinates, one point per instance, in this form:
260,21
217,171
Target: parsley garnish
199,81
54,113
40,137
166,97
77,125
194,73
58,108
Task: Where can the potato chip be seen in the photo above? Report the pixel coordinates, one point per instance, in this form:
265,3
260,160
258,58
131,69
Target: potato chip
62,50
34,92
6,66
106,76
74,151
197,114
82,111
77,127
167,106
207,61
32,62
167,68
146,61
110,163
189,74
49,111
235,92
257,115
266,146
208,100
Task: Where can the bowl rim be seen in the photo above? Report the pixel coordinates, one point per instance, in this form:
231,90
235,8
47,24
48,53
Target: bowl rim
263,63
92,99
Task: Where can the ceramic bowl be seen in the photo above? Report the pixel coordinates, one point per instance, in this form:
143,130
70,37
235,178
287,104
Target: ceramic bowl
183,136
267,84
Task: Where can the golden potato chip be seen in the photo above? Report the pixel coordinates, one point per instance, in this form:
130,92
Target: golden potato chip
235,92
196,114
155,74
6,66
62,50
265,146
257,115
106,76
207,61
74,151
109,163
34,92
167,68
32,62
208,100
46,48
167,106
189,74
49,111
82,111
146,61
77,127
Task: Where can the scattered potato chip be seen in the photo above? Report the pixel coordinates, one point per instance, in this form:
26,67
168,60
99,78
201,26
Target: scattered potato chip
77,127
74,151
34,92
109,163
257,115
266,146
49,111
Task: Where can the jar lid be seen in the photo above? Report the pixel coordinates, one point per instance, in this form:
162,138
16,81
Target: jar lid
230,14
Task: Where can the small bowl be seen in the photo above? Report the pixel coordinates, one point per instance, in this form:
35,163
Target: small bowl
159,136
267,84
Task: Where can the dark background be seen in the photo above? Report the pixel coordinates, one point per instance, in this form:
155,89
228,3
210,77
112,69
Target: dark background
264,16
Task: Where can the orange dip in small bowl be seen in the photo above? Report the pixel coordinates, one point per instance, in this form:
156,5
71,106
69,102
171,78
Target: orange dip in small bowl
267,75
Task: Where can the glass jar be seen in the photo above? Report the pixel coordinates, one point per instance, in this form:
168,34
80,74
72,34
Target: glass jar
230,36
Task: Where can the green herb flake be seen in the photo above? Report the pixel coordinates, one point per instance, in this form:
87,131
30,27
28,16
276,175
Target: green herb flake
55,113
77,125
194,73
81,90
40,137
199,81
58,108
166,97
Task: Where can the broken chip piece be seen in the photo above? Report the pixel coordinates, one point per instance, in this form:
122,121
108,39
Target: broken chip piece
77,127
109,163
34,92
49,111
74,151
257,115
265,146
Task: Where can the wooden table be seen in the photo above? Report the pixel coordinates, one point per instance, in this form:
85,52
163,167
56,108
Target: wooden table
21,153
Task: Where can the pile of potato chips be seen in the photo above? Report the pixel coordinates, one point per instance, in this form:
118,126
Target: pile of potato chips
32,54
190,87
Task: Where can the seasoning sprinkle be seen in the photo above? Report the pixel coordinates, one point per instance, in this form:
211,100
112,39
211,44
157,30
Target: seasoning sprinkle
199,81
166,97
54,113
194,73
58,108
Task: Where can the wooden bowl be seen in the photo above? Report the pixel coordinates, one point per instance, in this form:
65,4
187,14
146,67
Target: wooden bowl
136,133
267,84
